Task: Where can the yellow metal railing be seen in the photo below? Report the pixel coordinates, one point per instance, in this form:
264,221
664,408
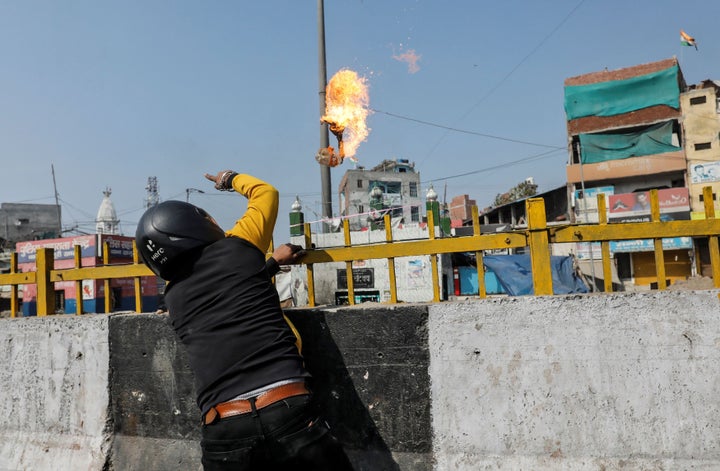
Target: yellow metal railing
538,236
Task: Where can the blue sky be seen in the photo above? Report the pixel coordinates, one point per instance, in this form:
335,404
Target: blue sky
111,93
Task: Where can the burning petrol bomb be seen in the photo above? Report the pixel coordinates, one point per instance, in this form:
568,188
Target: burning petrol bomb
346,112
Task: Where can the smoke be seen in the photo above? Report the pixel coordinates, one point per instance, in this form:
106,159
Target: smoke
411,58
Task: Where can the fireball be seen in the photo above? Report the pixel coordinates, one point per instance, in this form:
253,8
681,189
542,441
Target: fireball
346,112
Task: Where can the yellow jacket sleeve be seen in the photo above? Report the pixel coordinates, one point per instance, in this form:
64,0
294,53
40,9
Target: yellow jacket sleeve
257,224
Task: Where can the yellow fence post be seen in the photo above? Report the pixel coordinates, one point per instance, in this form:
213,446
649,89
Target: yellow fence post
44,261
78,283
482,291
433,258
137,283
391,260
709,204
348,265
13,288
309,267
604,245
659,254
539,247
106,282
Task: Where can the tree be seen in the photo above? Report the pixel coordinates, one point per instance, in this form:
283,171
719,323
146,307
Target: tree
521,190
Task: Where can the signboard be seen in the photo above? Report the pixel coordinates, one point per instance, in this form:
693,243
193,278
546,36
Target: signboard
635,207
586,205
705,172
593,192
63,248
647,245
362,278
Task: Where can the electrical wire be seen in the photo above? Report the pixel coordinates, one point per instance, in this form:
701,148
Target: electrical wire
475,133
507,76
495,167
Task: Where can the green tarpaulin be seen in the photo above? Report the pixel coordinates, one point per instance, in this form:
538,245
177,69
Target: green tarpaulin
600,147
622,96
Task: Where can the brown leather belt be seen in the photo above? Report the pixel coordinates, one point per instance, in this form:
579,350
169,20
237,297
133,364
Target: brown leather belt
243,406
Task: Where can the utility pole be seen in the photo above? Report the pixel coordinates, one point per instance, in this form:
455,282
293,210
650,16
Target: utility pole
327,211
57,201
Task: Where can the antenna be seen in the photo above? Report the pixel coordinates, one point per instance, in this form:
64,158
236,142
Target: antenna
57,200
151,198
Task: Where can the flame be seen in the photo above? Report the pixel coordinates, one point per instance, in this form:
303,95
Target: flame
346,110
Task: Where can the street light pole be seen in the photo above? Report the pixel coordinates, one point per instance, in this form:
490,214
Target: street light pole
324,137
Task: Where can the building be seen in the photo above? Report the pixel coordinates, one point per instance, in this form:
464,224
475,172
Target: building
630,131
107,221
93,291
392,186
701,107
21,221
460,209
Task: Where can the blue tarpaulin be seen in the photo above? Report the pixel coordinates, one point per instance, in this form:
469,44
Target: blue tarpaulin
616,97
514,273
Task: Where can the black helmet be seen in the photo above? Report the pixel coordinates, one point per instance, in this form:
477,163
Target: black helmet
169,230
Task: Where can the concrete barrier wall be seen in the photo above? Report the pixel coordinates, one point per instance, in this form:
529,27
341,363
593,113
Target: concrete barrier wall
54,398
583,383
624,381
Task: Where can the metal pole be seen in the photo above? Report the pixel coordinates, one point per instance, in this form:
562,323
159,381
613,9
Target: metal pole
590,244
327,211
57,202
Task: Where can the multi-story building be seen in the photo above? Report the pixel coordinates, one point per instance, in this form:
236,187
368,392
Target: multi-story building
393,185
636,129
701,108
22,221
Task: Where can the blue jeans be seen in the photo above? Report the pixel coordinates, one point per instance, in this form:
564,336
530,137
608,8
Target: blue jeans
286,435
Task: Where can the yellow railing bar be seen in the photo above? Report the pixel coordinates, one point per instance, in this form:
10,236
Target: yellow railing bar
106,282
137,283
537,237
659,256
634,230
310,274
14,287
604,246
391,260
709,205
539,247
126,270
18,278
433,257
44,261
413,248
482,291
348,265
78,283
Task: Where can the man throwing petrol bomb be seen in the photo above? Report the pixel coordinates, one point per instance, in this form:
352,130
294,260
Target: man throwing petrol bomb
249,375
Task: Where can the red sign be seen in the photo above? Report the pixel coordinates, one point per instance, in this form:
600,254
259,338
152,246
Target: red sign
635,207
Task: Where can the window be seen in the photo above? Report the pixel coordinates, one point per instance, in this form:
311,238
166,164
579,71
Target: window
702,197
361,208
387,187
413,189
415,214
698,100
702,146
359,183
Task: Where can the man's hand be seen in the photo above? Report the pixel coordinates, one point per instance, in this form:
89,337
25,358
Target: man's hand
223,179
288,254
